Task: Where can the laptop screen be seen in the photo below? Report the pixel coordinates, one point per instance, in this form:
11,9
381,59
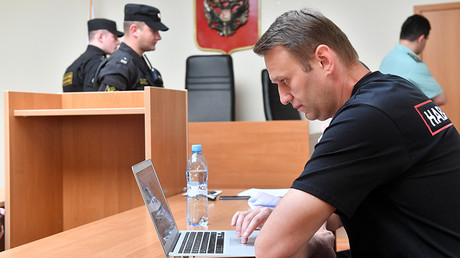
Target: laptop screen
156,203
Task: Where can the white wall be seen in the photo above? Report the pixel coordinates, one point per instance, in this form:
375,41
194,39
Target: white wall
41,38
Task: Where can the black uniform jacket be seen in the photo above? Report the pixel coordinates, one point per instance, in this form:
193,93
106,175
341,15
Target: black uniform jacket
126,70
79,75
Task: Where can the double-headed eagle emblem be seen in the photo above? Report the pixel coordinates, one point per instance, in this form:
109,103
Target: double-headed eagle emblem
226,16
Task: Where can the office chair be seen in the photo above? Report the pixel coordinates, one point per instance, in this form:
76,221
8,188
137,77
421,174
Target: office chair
210,83
273,108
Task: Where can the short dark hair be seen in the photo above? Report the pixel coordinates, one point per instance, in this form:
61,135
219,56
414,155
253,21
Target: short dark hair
301,32
127,25
92,34
415,26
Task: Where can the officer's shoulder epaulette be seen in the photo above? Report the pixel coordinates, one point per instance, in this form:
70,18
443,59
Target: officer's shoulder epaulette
415,57
123,60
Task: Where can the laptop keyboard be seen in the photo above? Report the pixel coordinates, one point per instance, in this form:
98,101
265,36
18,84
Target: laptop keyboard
203,243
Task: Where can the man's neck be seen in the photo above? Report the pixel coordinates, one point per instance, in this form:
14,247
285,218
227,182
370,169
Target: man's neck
346,77
133,45
354,73
412,45
95,44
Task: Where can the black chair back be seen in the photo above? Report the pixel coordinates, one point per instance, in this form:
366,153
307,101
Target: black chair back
274,109
210,83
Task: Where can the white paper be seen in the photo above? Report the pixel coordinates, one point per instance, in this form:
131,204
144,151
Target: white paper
276,192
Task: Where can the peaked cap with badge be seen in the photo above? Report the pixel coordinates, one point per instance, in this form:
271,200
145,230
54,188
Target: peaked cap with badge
148,14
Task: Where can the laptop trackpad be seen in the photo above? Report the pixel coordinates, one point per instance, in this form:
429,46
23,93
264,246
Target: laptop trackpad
236,248
237,241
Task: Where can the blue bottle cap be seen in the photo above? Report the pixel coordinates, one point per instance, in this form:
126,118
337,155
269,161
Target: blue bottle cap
196,148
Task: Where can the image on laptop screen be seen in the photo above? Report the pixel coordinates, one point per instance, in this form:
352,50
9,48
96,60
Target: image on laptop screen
156,204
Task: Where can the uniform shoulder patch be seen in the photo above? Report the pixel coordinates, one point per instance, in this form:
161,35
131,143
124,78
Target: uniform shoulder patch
143,81
124,60
415,57
110,88
67,80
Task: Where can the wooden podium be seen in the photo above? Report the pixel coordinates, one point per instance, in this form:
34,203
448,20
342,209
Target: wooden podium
68,157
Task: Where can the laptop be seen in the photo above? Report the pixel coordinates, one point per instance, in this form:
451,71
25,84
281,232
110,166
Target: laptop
175,243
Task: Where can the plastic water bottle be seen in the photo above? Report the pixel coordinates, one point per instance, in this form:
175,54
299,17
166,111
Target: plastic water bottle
197,189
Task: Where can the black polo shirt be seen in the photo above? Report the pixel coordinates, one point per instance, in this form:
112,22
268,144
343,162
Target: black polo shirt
390,164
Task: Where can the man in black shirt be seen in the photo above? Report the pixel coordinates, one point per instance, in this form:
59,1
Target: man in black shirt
127,69
387,167
103,40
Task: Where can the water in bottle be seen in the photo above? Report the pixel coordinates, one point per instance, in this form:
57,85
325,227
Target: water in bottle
197,189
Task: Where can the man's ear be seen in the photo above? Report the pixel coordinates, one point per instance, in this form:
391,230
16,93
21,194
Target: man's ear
324,55
420,38
134,30
100,36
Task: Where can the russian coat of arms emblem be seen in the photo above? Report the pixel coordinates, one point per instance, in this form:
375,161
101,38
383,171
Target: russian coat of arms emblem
226,25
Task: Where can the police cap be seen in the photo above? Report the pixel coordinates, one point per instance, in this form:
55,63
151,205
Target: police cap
148,14
104,24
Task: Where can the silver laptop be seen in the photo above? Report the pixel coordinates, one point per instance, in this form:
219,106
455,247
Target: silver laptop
222,243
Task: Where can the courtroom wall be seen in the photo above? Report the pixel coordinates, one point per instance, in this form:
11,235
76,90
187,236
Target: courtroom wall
41,38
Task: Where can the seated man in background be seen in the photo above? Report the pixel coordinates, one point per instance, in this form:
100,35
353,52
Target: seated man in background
103,39
387,165
127,69
404,61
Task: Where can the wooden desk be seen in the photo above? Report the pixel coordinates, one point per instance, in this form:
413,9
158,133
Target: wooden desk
127,234
68,157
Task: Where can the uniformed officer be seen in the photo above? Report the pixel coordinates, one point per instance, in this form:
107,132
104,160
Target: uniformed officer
103,39
404,61
128,68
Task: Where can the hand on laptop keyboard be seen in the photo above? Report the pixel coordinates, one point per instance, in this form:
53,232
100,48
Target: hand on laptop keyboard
248,221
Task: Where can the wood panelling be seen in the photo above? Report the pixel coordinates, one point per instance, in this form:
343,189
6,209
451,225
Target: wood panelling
252,154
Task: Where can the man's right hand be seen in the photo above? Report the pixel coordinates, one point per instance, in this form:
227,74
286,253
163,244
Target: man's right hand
248,221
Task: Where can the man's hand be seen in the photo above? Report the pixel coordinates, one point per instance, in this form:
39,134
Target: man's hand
247,221
322,243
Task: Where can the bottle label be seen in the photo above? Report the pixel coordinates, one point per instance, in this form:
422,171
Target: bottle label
197,189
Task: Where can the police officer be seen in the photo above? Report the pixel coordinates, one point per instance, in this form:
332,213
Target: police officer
103,40
404,61
127,68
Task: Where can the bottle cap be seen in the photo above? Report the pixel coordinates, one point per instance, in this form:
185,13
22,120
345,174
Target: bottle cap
196,148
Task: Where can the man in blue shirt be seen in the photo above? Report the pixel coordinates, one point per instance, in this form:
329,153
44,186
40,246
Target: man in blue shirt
404,61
